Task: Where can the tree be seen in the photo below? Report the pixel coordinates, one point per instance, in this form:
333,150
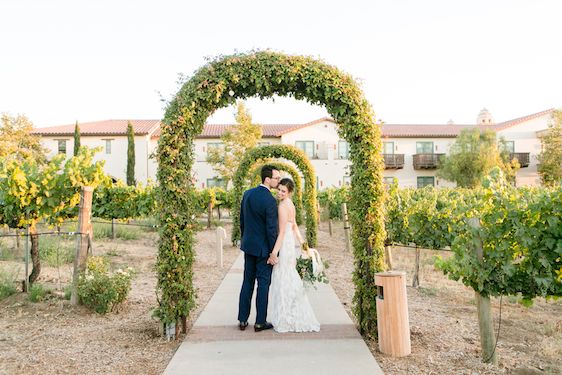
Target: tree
16,140
32,191
130,155
236,141
76,138
473,155
550,158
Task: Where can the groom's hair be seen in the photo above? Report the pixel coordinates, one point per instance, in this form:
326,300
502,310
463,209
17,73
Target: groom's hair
267,171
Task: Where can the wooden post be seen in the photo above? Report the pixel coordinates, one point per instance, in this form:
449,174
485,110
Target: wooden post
388,256
220,235
112,228
346,227
416,280
487,339
330,226
26,282
209,215
18,242
393,321
318,212
84,221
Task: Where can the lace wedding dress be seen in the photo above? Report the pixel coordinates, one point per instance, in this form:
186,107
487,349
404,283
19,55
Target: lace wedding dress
289,308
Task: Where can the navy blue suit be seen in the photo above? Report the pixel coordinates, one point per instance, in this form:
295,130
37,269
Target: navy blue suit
259,229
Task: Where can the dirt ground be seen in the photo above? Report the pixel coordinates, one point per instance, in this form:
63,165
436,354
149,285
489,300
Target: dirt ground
53,337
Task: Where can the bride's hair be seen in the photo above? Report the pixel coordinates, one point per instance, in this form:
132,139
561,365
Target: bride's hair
288,183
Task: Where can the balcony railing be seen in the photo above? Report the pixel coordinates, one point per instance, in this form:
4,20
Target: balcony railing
522,157
393,161
426,161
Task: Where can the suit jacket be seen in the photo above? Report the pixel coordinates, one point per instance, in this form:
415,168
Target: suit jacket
258,222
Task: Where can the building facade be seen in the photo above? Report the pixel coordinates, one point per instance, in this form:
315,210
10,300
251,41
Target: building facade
411,151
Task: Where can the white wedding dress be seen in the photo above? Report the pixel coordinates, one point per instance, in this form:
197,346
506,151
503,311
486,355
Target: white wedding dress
289,308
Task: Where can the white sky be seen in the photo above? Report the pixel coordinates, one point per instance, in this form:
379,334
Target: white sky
418,61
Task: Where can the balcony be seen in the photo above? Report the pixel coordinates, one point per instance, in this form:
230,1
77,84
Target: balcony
522,157
426,161
393,161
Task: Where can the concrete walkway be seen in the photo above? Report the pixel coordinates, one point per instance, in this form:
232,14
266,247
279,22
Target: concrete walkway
215,345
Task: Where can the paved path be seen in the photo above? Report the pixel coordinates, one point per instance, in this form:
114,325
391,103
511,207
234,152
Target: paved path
215,345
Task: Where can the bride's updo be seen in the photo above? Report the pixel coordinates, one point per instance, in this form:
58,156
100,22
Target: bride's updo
288,183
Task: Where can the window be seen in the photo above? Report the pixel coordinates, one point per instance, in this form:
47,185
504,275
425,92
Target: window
426,180
216,182
108,145
343,150
347,180
509,146
424,147
388,148
263,144
61,146
307,147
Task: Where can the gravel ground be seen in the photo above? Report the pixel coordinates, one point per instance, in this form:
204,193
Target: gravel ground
53,337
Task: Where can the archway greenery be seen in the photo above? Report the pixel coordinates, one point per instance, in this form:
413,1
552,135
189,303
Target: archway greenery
303,164
265,74
255,179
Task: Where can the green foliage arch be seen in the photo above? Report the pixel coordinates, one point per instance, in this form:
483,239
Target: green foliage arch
264,74
255,179
303,164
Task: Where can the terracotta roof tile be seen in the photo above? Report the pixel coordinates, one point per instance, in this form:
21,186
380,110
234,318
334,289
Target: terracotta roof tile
152,127
107,127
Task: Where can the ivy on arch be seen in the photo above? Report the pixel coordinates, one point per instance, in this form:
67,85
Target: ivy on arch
303,164
263,74
255,179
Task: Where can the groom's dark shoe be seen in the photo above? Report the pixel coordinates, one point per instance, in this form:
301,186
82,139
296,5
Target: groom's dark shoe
242,325
262,327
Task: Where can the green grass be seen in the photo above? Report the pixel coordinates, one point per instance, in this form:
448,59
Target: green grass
8,250
37,293
56,250
8,280
103,231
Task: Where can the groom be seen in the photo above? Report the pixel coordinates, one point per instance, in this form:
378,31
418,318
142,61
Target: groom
258,227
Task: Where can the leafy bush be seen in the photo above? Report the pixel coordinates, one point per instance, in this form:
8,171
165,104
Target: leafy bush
101,290
37,293
7,283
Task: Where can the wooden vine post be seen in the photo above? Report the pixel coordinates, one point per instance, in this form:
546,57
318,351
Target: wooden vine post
487,339
416,278
388,256
346,226
84,228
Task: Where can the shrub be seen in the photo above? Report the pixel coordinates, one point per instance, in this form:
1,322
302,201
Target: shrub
101,290
37,293
7,283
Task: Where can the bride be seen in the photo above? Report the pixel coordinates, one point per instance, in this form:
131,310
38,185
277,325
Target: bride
290,310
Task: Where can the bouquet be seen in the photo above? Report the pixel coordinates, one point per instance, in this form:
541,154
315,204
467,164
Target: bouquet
311,267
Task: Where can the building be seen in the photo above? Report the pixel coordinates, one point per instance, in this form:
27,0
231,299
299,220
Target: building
411,151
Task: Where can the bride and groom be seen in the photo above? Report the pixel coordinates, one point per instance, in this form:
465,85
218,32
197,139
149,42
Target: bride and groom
268,242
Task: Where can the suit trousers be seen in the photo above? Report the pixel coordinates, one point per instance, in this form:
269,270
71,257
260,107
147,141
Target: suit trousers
255,268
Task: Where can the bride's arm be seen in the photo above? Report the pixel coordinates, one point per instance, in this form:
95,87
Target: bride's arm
297,233
283,219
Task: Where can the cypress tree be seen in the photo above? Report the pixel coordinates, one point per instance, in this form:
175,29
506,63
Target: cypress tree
76,138
130,155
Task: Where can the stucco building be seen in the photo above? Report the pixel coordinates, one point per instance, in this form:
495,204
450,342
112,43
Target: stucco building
411,151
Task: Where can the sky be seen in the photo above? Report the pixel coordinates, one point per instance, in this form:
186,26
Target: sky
418,62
